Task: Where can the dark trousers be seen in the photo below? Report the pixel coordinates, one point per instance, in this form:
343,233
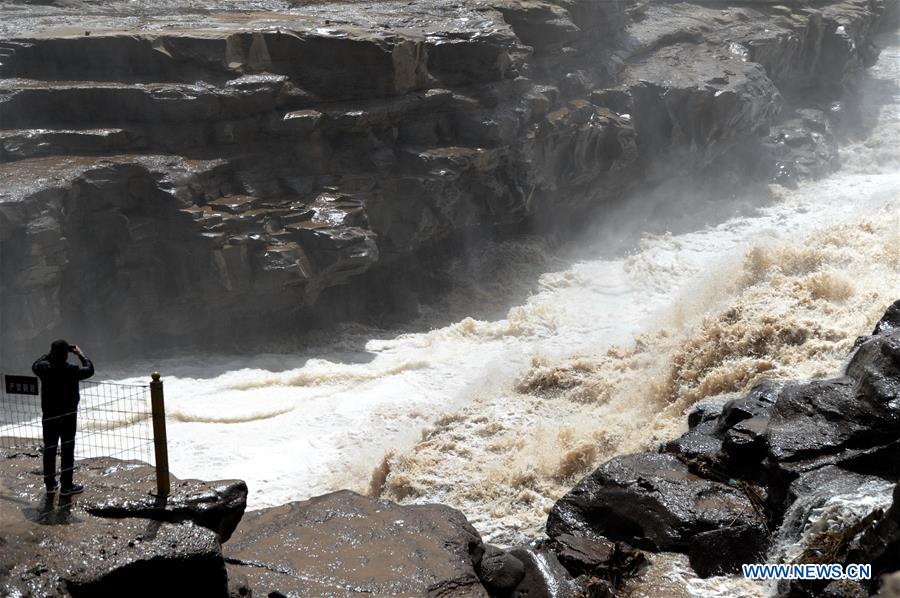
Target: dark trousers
59,432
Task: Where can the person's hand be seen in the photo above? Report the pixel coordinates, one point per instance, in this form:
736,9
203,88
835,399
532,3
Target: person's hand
76,350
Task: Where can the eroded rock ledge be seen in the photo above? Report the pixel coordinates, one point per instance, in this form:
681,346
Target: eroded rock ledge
167,168
116,539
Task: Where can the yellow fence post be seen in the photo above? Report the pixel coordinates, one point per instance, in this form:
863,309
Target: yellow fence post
159,435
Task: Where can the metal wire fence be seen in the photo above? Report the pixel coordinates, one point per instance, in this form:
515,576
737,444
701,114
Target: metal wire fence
112,420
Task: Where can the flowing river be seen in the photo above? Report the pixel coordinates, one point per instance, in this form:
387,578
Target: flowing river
610,344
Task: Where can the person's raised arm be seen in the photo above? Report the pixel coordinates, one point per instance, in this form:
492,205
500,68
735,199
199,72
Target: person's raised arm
41,366
86,370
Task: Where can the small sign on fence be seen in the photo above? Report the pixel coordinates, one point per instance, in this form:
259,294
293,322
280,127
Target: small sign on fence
21,385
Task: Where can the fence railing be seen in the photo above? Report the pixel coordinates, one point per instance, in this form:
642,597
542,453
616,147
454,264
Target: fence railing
125,421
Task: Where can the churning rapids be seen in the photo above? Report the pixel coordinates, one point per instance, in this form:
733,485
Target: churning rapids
604,355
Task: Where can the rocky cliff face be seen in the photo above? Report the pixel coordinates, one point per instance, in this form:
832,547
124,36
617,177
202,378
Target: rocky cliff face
166,168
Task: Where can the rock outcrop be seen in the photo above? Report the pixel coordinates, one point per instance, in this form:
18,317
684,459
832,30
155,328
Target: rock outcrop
120,490
654,502
115,539
344,544
161,174
760,464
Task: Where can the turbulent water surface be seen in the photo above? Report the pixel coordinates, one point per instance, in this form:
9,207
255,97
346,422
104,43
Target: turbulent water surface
499,416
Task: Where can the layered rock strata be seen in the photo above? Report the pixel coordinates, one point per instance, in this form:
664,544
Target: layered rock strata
168,168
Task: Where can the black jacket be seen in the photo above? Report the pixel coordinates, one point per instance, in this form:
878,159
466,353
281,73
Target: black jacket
59,383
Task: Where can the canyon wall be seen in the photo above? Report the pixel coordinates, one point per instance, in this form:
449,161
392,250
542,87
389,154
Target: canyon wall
173,173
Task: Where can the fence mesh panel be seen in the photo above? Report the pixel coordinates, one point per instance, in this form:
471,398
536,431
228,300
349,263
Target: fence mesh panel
113,420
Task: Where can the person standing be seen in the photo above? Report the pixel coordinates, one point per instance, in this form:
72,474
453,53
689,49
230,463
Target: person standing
59,406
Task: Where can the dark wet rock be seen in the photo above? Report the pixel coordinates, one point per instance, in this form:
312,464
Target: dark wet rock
779,431
87,556
595,587
700,443
121,489
60,547
881,460
652,501
723,551
500,572
597,559
861,409
544,576
582,555
801,148
801,425
334,543
876,368
705,411
880,544
125,490
730,438
256,162
815,486
844,588
890,321
744,422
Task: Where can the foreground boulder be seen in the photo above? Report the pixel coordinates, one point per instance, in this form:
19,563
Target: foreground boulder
653,501
500,572
115,539
120,489
346,544
217,506
88,556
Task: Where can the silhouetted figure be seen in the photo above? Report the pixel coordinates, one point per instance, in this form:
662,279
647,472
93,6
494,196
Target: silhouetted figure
59,404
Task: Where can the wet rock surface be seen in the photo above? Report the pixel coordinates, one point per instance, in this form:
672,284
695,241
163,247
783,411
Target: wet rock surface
347,544
880,544
802,147
653,501
114,539
125,490
197,163
545,577
500,572
760,465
